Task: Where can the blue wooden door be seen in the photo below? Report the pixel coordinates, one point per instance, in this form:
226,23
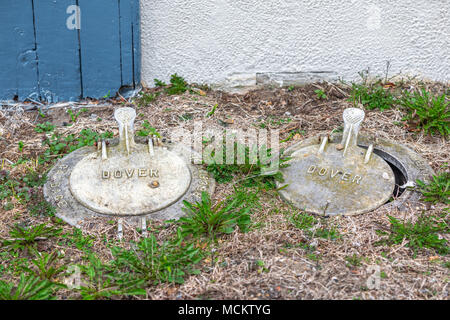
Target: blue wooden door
65,50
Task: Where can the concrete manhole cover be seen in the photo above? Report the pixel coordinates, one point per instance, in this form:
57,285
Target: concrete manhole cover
338,178
126,178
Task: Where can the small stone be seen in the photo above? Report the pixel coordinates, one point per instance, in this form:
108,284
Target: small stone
339,147
287,113
385,175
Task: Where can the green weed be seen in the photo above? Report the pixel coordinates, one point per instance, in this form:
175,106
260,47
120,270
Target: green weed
320,94
148,130
152,262
427,112
74,116
103,281
28,288
177,85
371,94
205,219
422,234
437,190
307,222
22,237
353,261
44,127
45,265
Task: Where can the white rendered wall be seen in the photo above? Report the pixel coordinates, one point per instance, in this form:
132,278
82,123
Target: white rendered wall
226,42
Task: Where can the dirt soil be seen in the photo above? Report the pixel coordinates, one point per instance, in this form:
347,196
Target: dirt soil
235,272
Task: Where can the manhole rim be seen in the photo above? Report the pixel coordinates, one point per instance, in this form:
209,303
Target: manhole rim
73,212
415,166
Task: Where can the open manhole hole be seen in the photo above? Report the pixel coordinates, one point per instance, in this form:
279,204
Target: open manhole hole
349,174
400,174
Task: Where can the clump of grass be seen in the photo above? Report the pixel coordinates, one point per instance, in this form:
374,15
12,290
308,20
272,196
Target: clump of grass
22,237
427,112
205,219
424,233
45,265
303,220
438,190
307,222
153,262
353,260
103,281
253,173
371,94
28,288
147,98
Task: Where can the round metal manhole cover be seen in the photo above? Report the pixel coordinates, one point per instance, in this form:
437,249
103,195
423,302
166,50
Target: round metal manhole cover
130,185
333,179
136,178
329,184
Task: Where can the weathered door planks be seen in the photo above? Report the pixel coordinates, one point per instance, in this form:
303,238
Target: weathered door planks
41,58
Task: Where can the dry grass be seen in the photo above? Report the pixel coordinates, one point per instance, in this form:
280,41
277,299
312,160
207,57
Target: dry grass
290,271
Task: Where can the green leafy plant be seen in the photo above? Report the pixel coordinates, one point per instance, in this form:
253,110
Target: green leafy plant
320,94
178,85
44,127
205,219
153,262
427,112
159,83
21,145
58,145
424,233
45,265
437,190
371,94
213,109
307,222
148,130
147,98
22,237
303,220
103,281
28,288
353,260
74,116
80,241
41,208
254,172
